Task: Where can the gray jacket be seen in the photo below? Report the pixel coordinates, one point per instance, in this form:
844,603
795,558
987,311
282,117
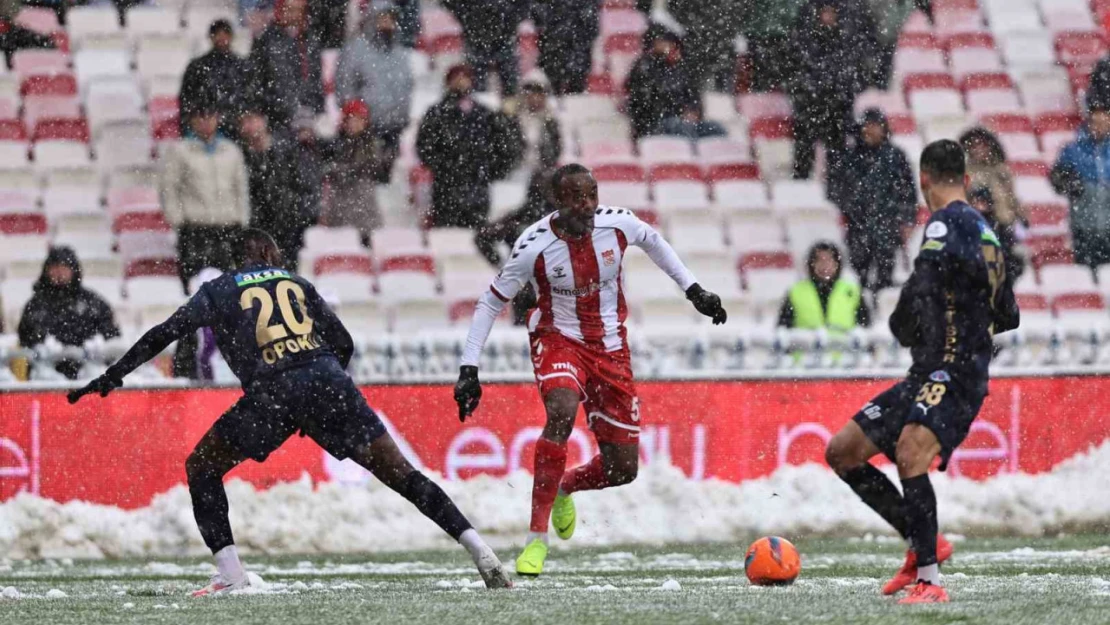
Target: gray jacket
376,73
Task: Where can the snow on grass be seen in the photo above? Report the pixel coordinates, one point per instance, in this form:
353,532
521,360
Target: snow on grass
662,507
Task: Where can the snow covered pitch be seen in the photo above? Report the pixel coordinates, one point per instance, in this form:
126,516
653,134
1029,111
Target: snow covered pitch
1011,581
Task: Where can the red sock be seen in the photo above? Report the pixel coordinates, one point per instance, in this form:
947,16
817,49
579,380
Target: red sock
551,460
590,476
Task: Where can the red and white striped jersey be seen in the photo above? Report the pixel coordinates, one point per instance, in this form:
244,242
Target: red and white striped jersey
578,281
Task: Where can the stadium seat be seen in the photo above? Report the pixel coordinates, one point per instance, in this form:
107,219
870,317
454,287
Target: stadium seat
957,22
21,253
967,61
917,60
990,93
346,287
386,242
633,195
773,144
578,109
1080,48
1060,279
163,56
123,144
933,95
759,235
1060,20
37,108
39,19
1026,51
762,106
14,295
619,172
407,278
680,196
153,298
723,150
83,22
889,102
657,150
1015,132
415,314
111,101
135,245
596,153
13,154
506,196
1047,92
720,107
1055,131
59,153
108,287
92,65
791,196
345,263
767,276
1034,190
805,229
741,197
31,62
73,205
1048,219
149,20
1081,315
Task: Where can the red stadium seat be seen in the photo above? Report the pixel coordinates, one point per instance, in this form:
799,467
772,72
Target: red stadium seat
343,263
22,223
1032,301
732,171
61,129
675,171
1080,48
766,260
1049,251
602,84
1049,122
928,81
38,19
133,200
151,267
772,128
55,84
962,41
1007,123
1031,168
920,41
995,80
1078,301
1048,219
619,172
12,130
137,221
902,124
32,61
419,263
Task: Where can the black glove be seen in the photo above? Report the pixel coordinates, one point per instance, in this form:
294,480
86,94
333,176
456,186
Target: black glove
468,391
104,384
707,303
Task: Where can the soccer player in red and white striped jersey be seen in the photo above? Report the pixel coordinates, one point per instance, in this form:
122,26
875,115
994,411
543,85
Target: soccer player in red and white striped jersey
572,258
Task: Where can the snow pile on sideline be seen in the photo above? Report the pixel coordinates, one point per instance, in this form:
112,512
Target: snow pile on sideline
661,507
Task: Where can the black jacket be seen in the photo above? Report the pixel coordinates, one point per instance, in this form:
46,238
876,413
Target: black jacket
658,90
214,79
875,187
14,37
466,151
833,63
487,24
286,74
71,314
272,178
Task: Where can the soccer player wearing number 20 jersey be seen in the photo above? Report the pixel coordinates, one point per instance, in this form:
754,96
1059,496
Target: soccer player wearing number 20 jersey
579,349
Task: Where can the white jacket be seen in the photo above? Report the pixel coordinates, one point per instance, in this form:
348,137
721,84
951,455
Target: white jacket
205,187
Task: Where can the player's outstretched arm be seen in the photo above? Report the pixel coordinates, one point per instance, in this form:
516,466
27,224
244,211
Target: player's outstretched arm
196,313
329,327
663,255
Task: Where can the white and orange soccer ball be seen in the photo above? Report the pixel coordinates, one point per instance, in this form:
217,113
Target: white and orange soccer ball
772,561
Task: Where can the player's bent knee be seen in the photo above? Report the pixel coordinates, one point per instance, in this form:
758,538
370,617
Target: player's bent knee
839,456
915,450
561,406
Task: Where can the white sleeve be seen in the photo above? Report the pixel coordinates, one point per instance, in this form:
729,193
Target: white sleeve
514,275
660,252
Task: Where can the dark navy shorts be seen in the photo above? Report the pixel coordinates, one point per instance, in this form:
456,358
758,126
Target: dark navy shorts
318,399
938,401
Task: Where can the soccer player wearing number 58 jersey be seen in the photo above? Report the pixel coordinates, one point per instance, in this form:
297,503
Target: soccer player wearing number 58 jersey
957,298
580,353
290,352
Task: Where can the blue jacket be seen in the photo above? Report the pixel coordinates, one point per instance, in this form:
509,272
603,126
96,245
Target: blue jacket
1082,174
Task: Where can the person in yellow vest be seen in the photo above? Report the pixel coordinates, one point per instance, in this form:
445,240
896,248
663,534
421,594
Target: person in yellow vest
824,299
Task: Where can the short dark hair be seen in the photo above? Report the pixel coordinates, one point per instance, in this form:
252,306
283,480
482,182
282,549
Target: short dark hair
251,243
944,161
570,169
220,26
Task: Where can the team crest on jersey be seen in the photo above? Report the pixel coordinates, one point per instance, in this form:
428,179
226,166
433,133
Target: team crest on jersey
559,272
609,257
940,376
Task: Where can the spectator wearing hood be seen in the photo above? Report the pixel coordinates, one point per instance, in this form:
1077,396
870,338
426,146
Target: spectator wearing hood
489,32
217,78
986,164
64,309
833,44
375,68
352,168
1014,258
566,29
661,84
875,190
711,28
272,177
1081,174
285,66
205,194
824,299
466,146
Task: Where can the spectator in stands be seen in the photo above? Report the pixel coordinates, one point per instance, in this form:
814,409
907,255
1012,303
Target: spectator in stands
330,18
833,43
15,37
285,66
692,125
489,29
64,309
1099,86
542,148
711,28
1082,176
204,194
986,164
661,84
216,76
983,201
766,24
375,68
408,22
466,146
875,190
272,179
566,29
353,166
890,15
824,299
309,156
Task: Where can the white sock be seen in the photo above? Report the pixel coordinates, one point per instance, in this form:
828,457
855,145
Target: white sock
473,543
229,566
534,535
929,574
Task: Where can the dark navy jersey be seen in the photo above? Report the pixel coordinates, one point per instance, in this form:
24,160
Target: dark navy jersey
264,319
958,296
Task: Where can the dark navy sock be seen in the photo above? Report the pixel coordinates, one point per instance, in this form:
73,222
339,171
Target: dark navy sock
921,509
433,503
877,491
